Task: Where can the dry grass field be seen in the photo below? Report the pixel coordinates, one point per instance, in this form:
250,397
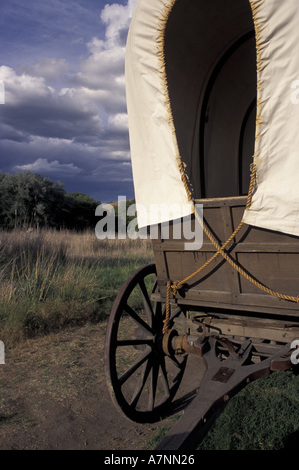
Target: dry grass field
56,293
50,279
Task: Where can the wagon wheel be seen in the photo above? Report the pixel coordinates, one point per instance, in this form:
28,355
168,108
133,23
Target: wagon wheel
142,379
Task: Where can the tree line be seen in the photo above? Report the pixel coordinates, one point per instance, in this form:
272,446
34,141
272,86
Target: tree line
28,200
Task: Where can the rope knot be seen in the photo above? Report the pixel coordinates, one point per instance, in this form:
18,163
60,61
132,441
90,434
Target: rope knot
175,287
172,287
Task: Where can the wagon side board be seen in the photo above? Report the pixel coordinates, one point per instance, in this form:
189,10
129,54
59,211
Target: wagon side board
272,258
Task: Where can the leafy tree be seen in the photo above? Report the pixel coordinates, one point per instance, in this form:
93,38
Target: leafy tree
79,210
29,200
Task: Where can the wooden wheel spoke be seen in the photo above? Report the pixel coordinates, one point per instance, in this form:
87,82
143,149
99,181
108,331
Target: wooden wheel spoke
159,312
141,323
164,378
175,362
146,302
139,361
141,382
153,386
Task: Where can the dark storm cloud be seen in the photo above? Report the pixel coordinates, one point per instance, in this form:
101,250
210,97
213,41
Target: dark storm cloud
62,120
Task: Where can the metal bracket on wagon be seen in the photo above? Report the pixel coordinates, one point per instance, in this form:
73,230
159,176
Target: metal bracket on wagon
222,380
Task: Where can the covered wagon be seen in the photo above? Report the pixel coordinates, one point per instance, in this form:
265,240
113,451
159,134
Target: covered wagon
213,120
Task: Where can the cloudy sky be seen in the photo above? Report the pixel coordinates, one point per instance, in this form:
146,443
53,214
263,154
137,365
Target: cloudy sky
64,116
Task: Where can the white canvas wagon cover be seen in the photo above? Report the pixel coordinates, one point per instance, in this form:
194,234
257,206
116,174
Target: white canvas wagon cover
200,33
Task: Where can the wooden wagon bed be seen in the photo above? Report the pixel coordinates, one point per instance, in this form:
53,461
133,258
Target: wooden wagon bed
272,258
205,105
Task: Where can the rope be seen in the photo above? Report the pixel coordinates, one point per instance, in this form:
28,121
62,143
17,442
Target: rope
174,287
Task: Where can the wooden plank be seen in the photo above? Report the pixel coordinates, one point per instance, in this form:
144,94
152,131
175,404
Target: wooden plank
229,229
270,257
223,201
244,247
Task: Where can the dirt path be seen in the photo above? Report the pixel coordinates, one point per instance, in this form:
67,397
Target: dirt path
54,397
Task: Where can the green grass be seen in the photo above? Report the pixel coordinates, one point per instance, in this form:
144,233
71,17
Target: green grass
263,416
51,279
